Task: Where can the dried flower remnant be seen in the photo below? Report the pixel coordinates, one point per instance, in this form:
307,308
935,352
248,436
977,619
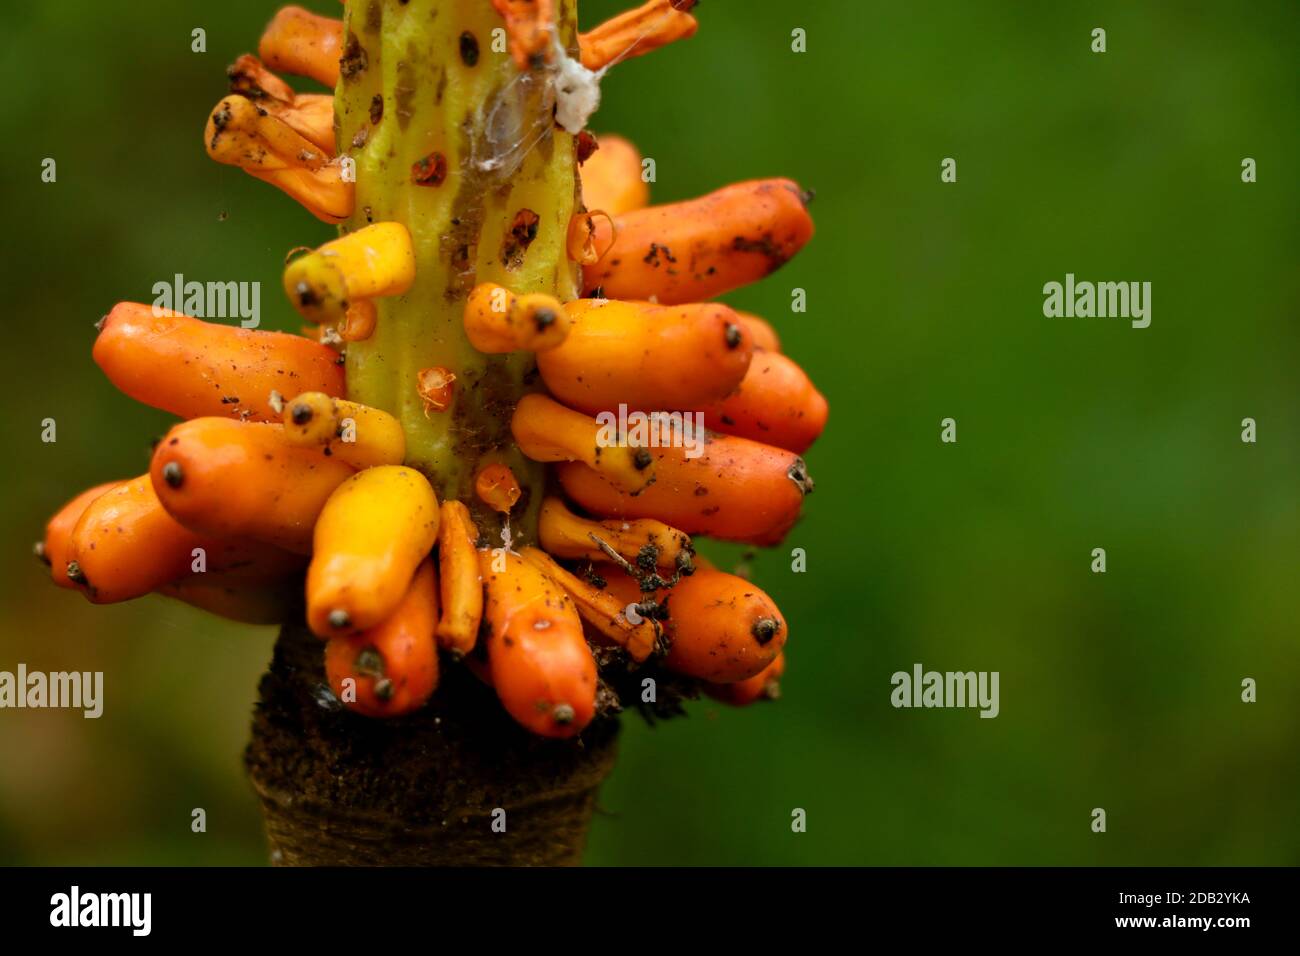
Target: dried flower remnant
497,487
436,387
429,170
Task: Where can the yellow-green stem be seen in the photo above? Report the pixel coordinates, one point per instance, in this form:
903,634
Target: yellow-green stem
411,90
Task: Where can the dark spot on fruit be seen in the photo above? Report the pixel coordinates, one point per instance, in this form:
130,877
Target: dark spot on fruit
354,60
469,48
656,250
521,235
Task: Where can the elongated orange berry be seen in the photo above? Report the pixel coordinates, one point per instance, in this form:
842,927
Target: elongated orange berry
125,545
498,321
761,331
244,479
248,602
391,669
736,489
192,368
55,548
539,661
721,628
601,609
377,260
311,115
643,542
249,77
303,43
373,532
547,431
354,433
765,685
240,133
249,561
646,356
322,192
692,251
611,178
461,582
776,403
530,25
654,24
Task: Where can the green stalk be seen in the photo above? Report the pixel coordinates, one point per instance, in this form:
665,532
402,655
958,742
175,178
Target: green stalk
420,80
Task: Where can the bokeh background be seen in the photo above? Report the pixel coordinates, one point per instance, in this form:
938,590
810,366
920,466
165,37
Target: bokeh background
1119,690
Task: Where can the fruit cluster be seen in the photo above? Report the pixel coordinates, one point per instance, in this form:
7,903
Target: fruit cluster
278,470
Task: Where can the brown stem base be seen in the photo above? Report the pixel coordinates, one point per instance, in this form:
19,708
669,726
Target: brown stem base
340,789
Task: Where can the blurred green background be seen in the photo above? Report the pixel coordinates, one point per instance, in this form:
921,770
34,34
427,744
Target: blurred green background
1119,690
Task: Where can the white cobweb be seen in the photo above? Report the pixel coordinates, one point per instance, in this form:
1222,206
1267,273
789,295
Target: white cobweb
515,124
